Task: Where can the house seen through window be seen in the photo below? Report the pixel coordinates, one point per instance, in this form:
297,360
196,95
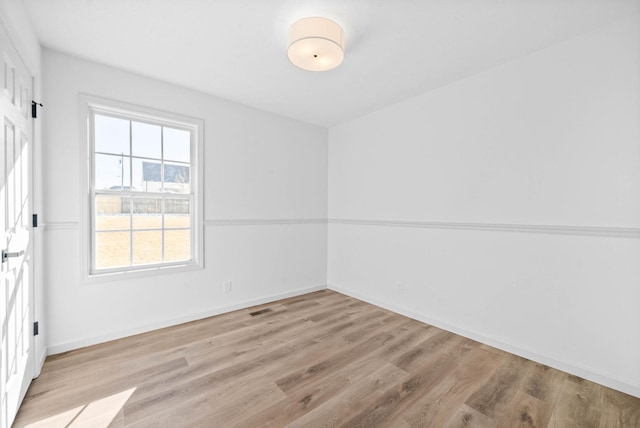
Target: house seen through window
141,190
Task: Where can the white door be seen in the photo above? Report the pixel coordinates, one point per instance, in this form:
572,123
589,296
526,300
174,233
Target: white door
16,297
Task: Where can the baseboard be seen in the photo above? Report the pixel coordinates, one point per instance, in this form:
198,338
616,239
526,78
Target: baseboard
565,366
76,344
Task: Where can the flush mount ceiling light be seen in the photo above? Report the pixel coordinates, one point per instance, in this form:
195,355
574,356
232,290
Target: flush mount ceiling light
315,44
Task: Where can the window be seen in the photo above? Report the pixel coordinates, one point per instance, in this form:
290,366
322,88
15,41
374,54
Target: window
143,187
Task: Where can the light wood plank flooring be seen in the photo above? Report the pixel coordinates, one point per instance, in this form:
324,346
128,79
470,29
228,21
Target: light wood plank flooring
318,360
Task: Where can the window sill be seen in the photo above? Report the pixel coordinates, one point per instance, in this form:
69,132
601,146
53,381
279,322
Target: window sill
125,275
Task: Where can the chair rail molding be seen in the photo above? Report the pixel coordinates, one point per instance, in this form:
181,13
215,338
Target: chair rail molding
263,221
59,225
611,232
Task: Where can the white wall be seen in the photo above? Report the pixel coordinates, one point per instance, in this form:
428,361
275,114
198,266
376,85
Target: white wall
257,167
508,204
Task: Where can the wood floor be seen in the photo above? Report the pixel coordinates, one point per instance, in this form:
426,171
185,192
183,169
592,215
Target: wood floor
318,360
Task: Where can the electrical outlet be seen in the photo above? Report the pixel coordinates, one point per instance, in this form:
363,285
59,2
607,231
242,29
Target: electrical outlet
400,288
226,287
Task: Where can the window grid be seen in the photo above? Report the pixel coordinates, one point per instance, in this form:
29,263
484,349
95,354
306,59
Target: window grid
132,195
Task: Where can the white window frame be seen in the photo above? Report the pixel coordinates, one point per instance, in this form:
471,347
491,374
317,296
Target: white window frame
91,105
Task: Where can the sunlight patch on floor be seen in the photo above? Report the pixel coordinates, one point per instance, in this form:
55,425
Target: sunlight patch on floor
96,414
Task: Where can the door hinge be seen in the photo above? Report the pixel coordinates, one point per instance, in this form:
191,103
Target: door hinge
34,220
35,328
34,108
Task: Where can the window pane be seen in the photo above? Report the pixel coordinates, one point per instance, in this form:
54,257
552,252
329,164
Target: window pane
147,213
112,172
146,175
176,177
177,213
147,247
112,212
141,177
112,249
177,245
177,144
146,140
111,135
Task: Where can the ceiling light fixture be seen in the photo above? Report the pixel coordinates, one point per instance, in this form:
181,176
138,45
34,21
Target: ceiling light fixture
315,44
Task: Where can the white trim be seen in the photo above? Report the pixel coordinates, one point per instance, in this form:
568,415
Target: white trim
566,366
263,221
59,225
89,105
141,273
76,344
611,232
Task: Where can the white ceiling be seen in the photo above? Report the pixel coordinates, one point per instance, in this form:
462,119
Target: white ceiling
236,49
